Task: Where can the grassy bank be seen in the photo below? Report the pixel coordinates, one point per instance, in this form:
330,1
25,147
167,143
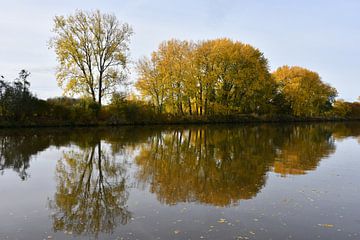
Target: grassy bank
172,120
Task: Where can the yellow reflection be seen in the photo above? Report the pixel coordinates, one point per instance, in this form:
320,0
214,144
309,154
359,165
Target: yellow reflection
303,148
216,166
222,165
91,192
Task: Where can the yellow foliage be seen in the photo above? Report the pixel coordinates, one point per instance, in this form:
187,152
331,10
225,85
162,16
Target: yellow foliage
304,91
188,78
91,48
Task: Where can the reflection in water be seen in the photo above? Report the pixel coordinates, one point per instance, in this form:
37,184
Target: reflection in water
18,146
302,148
210,165
17,149
222,165
91,192
215,165
347,130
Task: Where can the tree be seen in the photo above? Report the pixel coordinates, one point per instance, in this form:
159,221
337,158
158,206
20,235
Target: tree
163,79
236,77
3,87
341,108
303,89
210,77
22,81
92,50
151,82
16,100
174,62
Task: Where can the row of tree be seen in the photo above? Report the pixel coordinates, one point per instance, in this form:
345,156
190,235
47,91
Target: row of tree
209,79
222,76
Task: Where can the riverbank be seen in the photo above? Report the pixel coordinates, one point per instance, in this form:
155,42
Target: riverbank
174,120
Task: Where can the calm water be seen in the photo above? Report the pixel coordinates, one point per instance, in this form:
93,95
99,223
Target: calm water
201,182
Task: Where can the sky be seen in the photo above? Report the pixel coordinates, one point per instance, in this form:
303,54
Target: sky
321,35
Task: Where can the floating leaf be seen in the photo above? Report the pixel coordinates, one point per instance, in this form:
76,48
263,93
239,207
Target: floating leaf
222,220
326,225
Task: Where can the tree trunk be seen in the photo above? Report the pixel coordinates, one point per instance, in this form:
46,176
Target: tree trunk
206,106
190,110
100,88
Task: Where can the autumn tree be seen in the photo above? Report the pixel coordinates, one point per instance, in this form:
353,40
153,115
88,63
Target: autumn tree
174,62
209,77
234,76
92,50
303,89
163,78
341,108
151,82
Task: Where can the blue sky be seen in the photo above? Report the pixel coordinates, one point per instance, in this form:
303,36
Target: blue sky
323,36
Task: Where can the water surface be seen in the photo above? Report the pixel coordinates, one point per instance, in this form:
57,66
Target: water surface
268,181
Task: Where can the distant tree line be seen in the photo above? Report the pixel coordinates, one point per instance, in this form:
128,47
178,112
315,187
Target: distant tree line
212,80
225,77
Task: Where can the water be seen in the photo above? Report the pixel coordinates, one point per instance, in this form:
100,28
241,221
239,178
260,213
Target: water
183,182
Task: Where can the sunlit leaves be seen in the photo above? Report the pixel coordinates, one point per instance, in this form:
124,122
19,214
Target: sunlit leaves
303,89
209,77
92,50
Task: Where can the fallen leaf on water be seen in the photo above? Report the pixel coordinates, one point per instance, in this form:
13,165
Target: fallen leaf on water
222,220
177,231
326,225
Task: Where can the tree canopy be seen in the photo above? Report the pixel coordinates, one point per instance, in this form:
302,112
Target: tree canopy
92,50
304,91
16,100
216,80
204,78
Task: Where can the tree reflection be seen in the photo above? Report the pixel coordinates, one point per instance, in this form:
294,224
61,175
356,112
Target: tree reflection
345,130
302,149
222,165
91,193
215,166
19,146
17,149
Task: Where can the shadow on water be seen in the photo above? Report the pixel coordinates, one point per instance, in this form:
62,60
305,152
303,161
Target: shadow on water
218,165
